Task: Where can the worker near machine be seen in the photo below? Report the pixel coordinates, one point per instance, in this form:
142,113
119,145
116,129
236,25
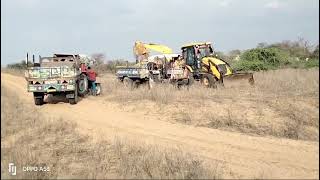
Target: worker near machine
92,79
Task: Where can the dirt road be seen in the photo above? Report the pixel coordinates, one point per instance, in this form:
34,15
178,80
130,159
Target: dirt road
245,156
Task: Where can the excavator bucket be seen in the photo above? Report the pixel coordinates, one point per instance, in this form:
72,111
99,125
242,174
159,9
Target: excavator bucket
239,79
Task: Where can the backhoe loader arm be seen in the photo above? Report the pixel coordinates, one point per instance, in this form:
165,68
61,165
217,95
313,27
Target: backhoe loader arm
141,48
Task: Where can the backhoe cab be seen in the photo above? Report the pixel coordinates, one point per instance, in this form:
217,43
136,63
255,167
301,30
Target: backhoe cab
207,68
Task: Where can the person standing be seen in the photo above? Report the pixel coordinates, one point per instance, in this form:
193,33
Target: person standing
92,79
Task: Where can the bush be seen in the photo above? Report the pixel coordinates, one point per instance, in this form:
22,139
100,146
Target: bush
271,56
262,59
244,65
311,63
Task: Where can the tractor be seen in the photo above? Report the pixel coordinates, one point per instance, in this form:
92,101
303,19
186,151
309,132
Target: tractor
61,74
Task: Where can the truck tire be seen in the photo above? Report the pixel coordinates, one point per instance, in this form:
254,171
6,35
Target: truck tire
38,99
208,81
128,82
83,85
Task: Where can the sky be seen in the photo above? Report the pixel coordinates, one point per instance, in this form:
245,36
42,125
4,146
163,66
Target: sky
44,27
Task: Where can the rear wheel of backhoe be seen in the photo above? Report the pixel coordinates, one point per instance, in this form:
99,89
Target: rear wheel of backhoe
208,81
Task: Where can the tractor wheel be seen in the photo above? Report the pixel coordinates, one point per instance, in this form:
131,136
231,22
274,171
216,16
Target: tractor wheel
83,85
128,82
208,81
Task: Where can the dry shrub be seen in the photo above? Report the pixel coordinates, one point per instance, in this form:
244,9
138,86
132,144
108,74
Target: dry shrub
149,162
17,72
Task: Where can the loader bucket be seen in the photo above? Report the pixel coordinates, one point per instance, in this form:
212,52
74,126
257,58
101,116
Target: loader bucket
238,79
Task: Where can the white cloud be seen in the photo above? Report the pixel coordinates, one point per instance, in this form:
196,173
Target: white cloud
273,5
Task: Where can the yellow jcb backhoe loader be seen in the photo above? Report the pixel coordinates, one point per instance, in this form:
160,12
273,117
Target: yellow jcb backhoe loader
206,67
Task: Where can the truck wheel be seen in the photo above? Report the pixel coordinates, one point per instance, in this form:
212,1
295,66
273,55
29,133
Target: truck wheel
208,81
38,98
128,82
73,100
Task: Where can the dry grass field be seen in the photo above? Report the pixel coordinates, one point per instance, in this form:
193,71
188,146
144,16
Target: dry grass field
283,103
270,130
